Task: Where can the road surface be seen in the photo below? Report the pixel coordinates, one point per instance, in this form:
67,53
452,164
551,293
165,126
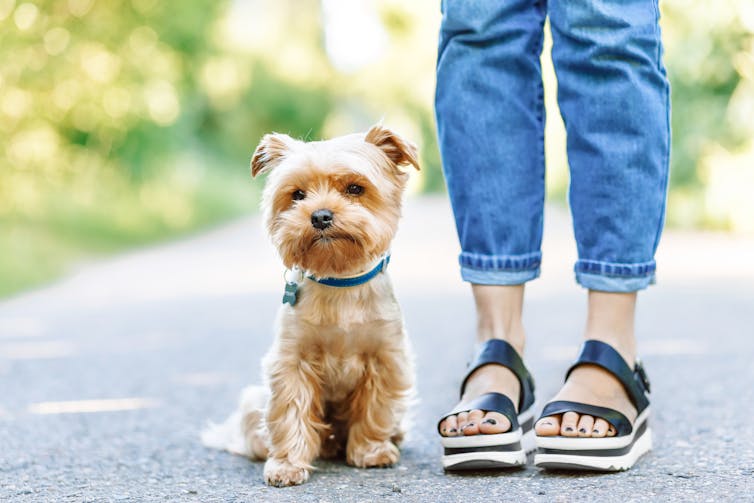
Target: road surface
108,376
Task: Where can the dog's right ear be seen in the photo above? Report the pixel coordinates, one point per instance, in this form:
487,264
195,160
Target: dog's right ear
270,152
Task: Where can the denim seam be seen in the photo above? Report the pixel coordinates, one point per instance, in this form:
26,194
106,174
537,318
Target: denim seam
481,277
613,283
618,276
666,153
541,118
615,269
525,262
666,165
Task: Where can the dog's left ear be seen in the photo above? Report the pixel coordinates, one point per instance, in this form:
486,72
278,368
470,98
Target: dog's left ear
270,152
401,152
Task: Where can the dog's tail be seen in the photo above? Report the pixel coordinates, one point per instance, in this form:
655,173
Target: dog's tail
244,432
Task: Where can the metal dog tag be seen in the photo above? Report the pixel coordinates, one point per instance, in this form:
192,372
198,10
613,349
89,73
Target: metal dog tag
289,296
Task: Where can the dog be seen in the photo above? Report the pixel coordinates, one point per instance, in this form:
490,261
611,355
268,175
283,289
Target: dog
340,375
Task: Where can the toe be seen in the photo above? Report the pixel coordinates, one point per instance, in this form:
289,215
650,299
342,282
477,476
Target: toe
444,428
494,422
568,424
472,423
548,426
599,429
585,426
462,420
451,426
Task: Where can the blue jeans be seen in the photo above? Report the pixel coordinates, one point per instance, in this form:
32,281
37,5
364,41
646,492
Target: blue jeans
614,98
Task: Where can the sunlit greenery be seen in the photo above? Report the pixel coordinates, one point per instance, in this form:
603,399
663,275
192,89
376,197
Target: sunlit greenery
128,121
710,59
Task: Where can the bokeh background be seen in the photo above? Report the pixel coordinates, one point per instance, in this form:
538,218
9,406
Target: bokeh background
124,122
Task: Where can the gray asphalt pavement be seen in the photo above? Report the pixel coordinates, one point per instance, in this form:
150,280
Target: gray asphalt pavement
107,377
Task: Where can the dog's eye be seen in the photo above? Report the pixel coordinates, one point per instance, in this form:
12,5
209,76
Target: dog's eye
298,195
354,190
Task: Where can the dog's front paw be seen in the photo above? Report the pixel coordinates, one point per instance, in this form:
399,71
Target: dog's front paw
282,473
372,454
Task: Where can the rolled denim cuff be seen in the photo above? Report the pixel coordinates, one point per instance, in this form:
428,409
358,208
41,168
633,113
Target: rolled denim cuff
614,277
499,269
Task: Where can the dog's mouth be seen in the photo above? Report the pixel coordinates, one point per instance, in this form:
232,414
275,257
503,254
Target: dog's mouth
331,253
328,237
335,242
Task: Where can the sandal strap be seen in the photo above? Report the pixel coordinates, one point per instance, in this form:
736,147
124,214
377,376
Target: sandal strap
620,422
500,352
487,402
635,381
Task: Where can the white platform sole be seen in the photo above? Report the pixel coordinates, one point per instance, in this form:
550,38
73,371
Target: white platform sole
482,460
502,450
598,463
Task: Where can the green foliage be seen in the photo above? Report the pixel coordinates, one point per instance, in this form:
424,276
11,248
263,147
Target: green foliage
129,121
710,61
113,131
703,75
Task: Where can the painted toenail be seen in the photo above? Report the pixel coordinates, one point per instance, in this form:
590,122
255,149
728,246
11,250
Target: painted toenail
568,428
468,426
596,432
489,421
582,430
452,430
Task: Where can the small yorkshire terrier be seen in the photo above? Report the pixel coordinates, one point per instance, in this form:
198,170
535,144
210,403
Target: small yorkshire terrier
340,371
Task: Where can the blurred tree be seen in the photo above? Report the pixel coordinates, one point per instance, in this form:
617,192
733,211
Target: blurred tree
710,60
127,121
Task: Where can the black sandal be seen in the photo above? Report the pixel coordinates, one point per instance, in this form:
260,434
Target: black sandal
608,453
499,450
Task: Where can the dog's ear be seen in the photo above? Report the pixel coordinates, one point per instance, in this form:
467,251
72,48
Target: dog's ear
271,150
401,152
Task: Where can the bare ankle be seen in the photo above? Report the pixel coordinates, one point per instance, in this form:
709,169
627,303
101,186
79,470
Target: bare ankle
610,319
624,344
499,314
514,335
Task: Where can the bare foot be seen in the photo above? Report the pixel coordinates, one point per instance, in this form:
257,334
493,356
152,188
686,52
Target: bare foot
484,380
610,318
591,385
499,311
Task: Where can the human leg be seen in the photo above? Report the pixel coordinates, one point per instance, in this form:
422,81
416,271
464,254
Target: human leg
614,98
490,120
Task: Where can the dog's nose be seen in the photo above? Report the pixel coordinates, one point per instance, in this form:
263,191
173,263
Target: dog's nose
322,219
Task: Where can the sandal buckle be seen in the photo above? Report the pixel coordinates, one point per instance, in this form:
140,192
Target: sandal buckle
642,375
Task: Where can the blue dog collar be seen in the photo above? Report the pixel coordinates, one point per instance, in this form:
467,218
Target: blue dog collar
354,280
290,296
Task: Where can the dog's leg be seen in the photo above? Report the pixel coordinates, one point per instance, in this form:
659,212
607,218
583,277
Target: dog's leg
294,421
377,406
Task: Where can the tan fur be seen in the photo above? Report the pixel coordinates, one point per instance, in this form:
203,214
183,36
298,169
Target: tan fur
340,371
